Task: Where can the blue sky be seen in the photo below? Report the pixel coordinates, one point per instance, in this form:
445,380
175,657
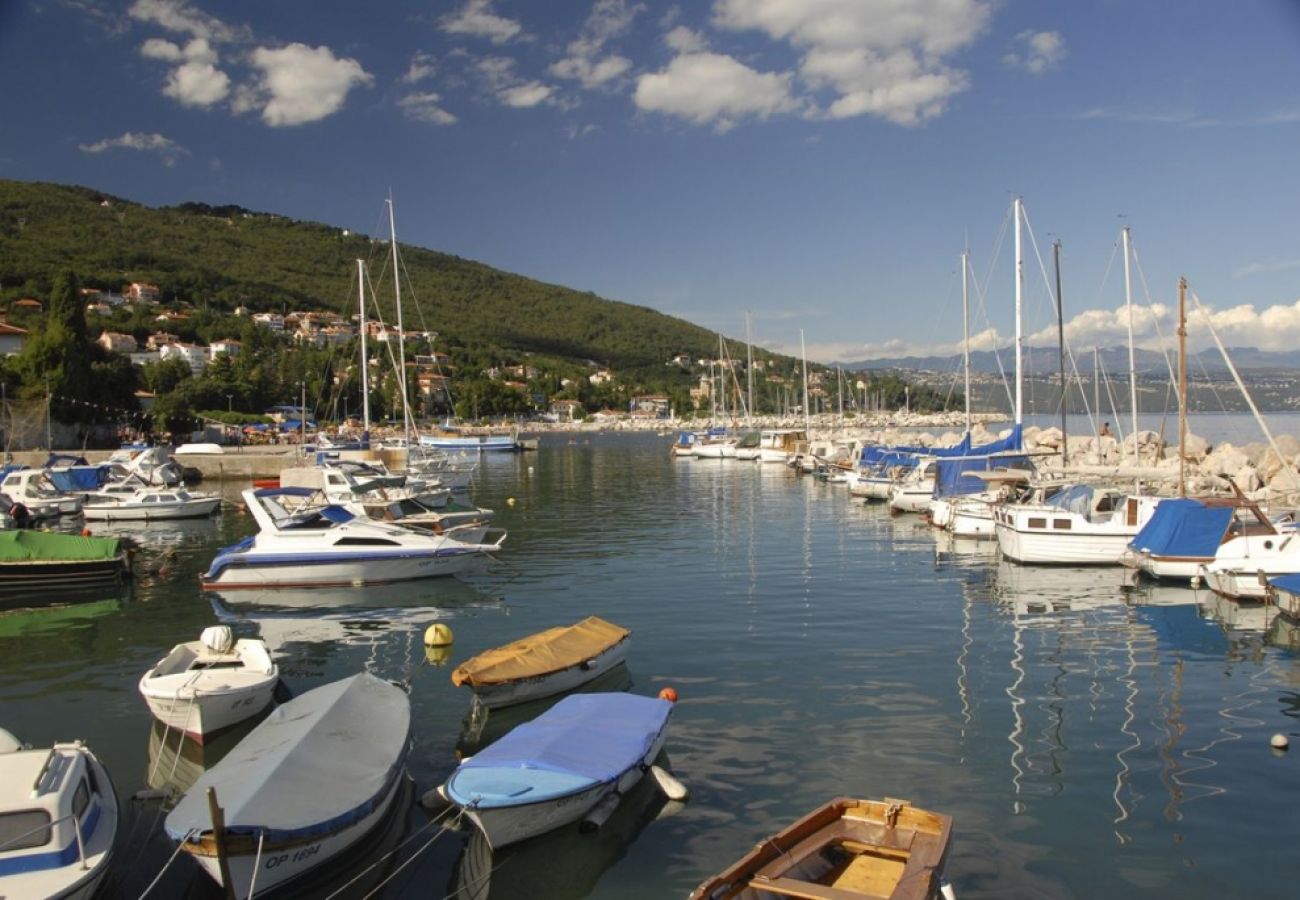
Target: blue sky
818,163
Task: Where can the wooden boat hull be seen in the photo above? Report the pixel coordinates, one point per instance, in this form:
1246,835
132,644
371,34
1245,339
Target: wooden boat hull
62,574
884,850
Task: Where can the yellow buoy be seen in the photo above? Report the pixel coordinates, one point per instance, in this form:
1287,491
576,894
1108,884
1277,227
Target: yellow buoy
438,635
437,656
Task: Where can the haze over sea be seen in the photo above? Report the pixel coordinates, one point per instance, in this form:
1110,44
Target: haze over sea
1086,742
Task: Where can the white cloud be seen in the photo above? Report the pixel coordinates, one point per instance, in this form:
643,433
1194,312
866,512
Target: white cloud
157,48
425,107
525,95
421,67
875,57
686,40
587,61
195,80
477,19
1037,51
1258,268
179,16
301,84
709,88
153,142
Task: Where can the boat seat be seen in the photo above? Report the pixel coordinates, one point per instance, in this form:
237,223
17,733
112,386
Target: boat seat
807,890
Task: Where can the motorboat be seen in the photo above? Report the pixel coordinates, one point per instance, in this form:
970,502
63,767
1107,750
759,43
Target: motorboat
36,561
141,503
1080,526
1185,534
59,818
33,489
777,445
310,781
845,849
543,664
327,545
349,482
204,686
554,770
913,491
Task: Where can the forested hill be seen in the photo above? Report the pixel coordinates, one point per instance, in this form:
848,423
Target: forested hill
228,256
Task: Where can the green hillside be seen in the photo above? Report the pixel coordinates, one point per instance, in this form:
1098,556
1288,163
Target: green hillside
228,256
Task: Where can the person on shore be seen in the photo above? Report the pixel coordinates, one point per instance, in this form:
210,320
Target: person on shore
1105,430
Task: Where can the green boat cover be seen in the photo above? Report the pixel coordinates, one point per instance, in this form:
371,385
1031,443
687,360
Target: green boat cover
48,546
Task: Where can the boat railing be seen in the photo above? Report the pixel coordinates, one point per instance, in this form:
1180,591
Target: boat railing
49,826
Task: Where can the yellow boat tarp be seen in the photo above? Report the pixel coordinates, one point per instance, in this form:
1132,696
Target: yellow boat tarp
547,651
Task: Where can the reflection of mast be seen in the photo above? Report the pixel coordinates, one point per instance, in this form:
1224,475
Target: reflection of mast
1018,726
1176,729
1121,777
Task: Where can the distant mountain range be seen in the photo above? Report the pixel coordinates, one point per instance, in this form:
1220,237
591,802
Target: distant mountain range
1041,361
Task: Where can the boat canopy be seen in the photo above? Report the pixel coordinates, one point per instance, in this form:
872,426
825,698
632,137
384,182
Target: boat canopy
46,546
956,477
317,764
1289,583
907,456
1077,499
1183,527
543,653
71,474
592,738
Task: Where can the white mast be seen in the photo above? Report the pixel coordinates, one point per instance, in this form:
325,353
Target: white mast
1132,360
365,364
749,369
401,332
965,330
1020,337
803,351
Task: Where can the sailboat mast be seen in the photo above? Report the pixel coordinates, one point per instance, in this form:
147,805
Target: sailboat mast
401,332
365,363
1020,337
1060,349
749,368
803,352
965,329
1182,387
1132,359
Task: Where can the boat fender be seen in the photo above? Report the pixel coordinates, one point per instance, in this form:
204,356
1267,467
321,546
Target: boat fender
147,794
436,800
669,693
670,786
587,665
946,891
600,813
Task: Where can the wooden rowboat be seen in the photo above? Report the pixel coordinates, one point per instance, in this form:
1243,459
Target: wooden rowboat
844,850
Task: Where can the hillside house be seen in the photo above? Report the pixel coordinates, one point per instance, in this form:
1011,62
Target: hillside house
116,342
650,406
273,321
225,347
160,339
193,355
601,376
12,339
566,410
141,292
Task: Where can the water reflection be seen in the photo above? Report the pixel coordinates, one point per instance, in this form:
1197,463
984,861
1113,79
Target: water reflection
176,761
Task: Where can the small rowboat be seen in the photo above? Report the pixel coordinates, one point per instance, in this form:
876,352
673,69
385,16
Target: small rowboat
846,849
203,686
547,663
309,782
554,770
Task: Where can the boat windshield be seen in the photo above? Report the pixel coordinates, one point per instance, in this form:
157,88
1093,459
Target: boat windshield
1076,499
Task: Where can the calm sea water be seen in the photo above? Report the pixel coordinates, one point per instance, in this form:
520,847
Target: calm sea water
1086,743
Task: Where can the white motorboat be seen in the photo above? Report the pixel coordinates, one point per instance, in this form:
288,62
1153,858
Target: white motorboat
134,502
552,771
58,819
204,686
33,489
913,492
779,444
1185,534
346,482
1243,567
304,786
547,663
1080,526
328,545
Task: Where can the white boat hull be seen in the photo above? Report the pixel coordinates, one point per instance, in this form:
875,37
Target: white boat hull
151,512
281,865
207,713
511,824
1238,584
907,499
1075,549
971,521
277,570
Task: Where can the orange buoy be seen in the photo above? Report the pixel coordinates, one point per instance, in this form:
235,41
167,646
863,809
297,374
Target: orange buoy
669,694
85,532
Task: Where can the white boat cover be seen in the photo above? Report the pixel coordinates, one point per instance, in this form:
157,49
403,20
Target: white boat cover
317,764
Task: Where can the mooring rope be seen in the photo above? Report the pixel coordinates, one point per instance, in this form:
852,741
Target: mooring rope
157,878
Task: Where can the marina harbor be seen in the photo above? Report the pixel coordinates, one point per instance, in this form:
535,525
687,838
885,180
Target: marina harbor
668,661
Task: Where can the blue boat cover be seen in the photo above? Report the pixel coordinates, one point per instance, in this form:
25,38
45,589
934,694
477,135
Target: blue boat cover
1183,527
1289,583
907,456
584,740
952,476
77,477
